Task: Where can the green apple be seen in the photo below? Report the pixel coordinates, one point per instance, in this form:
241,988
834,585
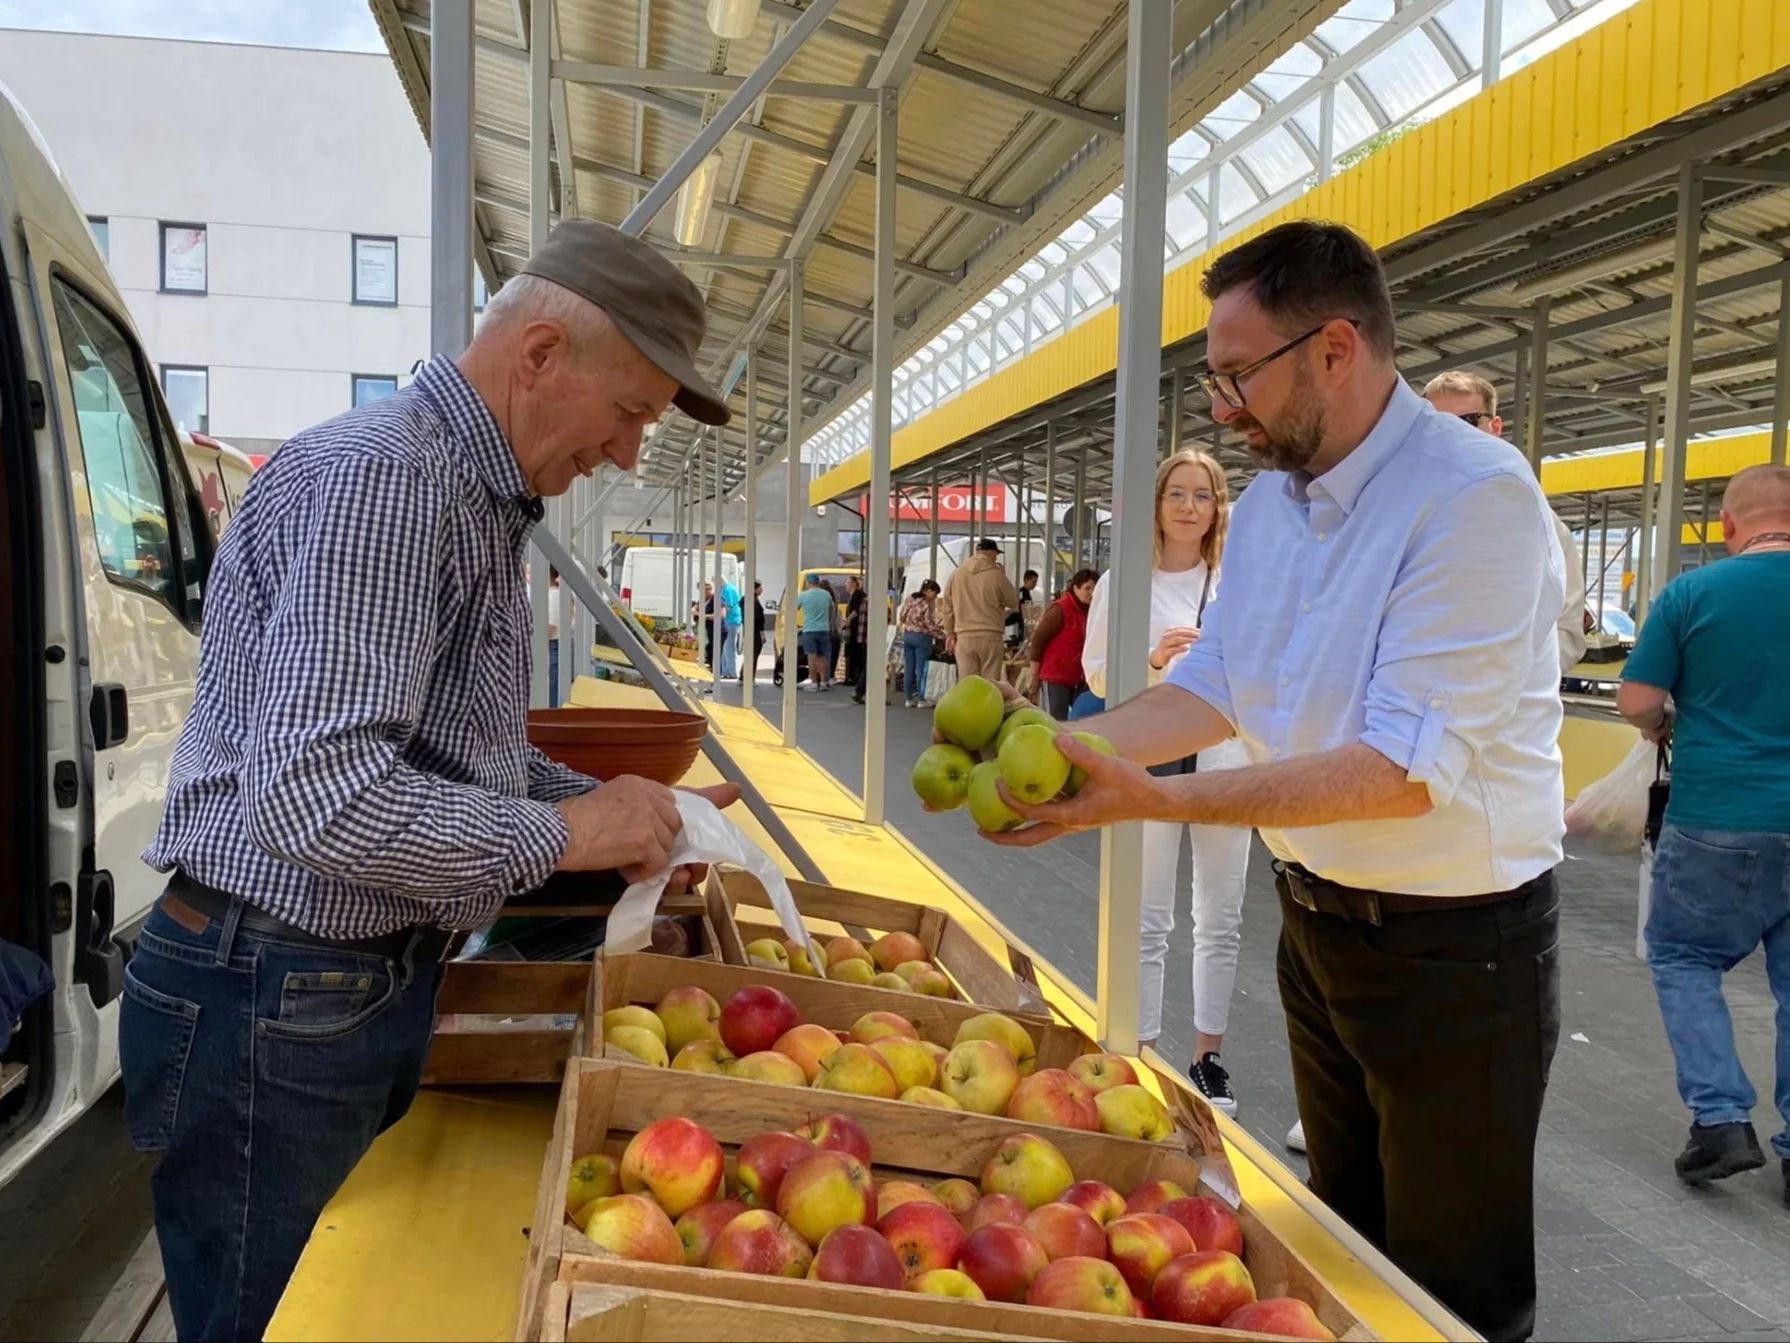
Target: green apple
1031,765
986,807
970,712
942,776
1077,775
1020,718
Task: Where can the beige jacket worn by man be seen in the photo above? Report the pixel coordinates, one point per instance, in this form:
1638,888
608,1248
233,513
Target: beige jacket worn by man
974,607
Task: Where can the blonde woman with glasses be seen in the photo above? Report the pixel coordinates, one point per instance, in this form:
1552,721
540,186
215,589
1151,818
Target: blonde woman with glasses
1192,512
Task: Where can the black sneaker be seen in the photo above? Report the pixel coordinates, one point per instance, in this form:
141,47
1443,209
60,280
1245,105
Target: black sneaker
1214,1083
1784,1165
1717,1151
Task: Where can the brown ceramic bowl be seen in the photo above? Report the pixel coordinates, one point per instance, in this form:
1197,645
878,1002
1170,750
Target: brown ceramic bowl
603,743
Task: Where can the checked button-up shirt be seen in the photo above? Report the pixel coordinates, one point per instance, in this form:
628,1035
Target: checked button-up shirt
357,758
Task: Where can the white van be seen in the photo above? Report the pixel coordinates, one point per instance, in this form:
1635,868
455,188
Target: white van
104,548
648,589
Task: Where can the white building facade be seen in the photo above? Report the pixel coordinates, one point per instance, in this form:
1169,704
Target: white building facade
265,211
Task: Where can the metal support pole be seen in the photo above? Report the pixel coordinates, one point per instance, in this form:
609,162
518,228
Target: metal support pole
540,150
1050,510
1585,549
882,430
798,504
1644,565
748,603
1327,132
450,177
1147,56
1680,350
1780,401
1603,562
1491,56
1022,523
1177,407
1518,419
1078,512
720,628
1703,529
1538,387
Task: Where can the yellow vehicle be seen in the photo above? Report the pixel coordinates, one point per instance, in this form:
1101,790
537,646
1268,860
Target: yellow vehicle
834,578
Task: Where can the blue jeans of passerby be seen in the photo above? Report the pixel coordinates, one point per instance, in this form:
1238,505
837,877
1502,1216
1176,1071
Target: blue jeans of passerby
1717,896
261,1070
730,652
916,654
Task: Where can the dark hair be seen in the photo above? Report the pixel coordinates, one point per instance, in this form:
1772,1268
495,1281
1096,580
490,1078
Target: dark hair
1309,272
1083,576
928,583
1031,573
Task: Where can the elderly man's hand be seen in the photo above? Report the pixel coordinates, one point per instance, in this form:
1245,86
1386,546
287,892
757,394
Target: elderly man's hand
629,826
1116,790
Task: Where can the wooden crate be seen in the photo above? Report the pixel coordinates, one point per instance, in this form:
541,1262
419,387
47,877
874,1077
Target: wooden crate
587,1312
979,977
603,1104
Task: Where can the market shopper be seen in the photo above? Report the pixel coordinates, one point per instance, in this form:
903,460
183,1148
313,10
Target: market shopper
1056,650
732,620
1384,647
856,612
1193,509
1469,397
1721,872
920,629
757,629
817,611
355,781
973,608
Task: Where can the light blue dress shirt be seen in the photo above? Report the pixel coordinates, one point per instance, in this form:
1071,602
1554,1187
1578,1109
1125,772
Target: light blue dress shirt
1405,599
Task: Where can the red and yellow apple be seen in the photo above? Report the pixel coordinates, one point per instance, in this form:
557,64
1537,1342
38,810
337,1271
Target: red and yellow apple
1100,1201
888,979
1211,1223
851,972
643,1017
907,1060
1054,1097
842,949
874,1026
1152,1194
642,1044
1005,1031
1103,1072
838,1133
980,1075
892,949
1002,1259
674,1160
803,961
958,1196
857,1070
947,1282
632,1226
1065,1232
826,1190
1132,1112
1028,1167
809,1045
1286,1316
703,1056
891,1194
859,1257
767,1065
926,979
759,1241
764,1161
924,1236
689,1013
592,1178
755,1016
768,953
699,1227
1142,1243
1205,1287
991,1208
1081,1282
929,1096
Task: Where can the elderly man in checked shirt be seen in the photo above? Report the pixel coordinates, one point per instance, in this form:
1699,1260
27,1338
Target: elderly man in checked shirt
1384,648
355,781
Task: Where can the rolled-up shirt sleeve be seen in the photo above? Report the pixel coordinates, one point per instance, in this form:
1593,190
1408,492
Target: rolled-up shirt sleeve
550,781
345,658
1472,607
1200,670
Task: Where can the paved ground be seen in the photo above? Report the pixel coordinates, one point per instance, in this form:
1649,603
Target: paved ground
1625,1250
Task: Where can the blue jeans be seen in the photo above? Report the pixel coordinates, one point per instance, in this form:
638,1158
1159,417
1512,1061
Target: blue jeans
916,655
730,652
261,1070
1718,895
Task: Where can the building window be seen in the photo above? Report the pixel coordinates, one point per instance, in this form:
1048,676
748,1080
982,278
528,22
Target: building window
187,391
183,259
101,228
371,387
376,271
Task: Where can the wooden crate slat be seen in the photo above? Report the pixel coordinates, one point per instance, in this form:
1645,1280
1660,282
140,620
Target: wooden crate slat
466,1058
505,988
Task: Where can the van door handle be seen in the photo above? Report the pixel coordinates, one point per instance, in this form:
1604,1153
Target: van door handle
109,711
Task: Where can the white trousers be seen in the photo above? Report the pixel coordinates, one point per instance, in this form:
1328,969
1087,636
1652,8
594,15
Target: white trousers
1220,864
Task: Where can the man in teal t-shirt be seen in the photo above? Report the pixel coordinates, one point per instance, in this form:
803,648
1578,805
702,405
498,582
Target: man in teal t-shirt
730,631
1717,641
815,606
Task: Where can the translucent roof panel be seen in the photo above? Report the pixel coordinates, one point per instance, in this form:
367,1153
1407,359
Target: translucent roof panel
1278,159
1233,115
1464,22
1407,75
1354,123
1353,22
1291,70
1523,19
1186,222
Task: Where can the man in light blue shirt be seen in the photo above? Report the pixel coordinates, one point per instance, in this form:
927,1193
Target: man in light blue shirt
1383,645
732,618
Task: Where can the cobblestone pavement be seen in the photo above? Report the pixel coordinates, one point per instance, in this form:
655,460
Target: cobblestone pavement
1625,1251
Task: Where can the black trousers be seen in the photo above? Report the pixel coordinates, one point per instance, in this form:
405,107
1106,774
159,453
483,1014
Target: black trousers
1421,1049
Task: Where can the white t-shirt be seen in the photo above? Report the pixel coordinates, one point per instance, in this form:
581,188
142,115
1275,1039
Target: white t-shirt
1174,600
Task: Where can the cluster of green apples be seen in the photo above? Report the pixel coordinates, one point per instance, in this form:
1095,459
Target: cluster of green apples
983,743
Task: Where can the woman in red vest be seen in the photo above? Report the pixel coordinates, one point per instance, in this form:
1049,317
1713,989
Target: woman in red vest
1056,645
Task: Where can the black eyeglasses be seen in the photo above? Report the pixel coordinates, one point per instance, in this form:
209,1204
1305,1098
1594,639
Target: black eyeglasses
1228,387
1473,417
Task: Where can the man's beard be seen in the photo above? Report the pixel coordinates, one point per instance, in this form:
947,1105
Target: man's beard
1297,434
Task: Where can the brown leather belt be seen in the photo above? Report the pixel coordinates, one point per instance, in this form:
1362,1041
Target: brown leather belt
1313,893
193,905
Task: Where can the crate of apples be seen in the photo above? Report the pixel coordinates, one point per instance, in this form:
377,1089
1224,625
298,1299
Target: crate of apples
896,960
960,1220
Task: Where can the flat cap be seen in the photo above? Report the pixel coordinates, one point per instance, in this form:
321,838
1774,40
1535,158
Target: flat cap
654,304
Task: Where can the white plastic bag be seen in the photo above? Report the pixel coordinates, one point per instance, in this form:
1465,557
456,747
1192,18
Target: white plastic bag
940,677
707,837
1612,813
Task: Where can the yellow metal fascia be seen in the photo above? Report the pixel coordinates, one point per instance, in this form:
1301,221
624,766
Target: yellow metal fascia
1706,459
1637,69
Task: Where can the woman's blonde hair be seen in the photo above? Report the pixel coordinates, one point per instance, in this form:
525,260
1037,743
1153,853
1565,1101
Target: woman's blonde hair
1212,543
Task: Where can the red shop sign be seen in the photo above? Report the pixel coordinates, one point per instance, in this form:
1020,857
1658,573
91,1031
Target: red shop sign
954,504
